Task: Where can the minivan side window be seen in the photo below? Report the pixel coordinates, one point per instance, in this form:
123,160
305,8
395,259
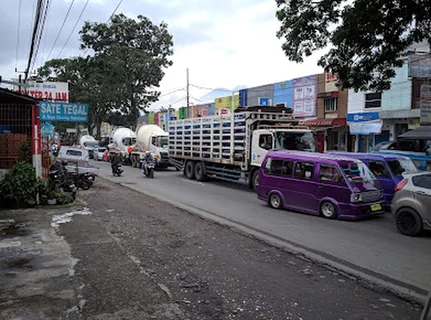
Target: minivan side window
267,168
378,168
330,173
304,170
278,167
265,141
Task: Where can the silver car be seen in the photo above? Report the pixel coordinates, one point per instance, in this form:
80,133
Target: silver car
411,205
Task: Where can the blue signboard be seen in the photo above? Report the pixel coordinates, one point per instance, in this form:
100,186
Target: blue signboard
63,112
47,130
363,117
264,101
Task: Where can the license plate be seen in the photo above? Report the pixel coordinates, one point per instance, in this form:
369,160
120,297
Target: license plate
376,207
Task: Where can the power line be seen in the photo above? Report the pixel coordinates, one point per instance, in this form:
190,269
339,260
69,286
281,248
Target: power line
169,93
61,29
74,27
33,38
110,17
45,13
17,35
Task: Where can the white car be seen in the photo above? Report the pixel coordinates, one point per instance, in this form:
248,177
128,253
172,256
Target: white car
98,153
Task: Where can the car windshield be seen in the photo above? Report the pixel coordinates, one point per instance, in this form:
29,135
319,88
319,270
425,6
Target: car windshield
400,166
357,172
162,142
129,141
101,149
294,140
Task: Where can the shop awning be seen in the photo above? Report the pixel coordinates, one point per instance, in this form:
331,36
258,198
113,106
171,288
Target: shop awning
421,133
337,122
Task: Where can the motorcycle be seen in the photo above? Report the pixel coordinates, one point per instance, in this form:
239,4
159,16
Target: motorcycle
149,171
82,180
117,170
61,182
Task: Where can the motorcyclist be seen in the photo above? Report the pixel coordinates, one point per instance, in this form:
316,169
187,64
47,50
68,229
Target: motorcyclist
115,161
147,159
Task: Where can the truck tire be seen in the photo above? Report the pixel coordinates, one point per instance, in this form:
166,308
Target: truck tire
255,179
189,170
200,171
133,161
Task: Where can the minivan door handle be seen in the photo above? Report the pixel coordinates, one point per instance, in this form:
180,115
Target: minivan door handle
320,187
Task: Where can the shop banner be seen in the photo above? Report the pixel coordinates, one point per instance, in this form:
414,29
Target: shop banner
48,91
63,112
364,123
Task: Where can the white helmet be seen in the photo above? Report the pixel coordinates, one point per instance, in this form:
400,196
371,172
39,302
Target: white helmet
147,153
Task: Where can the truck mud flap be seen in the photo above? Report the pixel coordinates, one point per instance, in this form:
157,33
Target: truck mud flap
179,164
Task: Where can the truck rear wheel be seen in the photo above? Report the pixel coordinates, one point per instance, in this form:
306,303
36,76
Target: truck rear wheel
200,171
190,170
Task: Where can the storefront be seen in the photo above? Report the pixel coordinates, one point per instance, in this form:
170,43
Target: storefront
366,129
333,132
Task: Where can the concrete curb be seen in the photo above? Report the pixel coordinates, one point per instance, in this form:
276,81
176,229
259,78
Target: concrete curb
368,277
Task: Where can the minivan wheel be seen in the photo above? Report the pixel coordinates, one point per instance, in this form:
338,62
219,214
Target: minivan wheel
408,222
275,201
328,210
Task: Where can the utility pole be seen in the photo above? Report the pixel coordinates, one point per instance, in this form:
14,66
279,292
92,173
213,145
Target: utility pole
188,95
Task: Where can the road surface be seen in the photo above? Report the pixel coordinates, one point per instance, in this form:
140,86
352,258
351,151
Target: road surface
373,247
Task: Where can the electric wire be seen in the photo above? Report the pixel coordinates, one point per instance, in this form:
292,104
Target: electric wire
42,26
17,35
61,29
74,27
33,38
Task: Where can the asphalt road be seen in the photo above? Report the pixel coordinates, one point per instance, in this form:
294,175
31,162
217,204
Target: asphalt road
208,271
373,246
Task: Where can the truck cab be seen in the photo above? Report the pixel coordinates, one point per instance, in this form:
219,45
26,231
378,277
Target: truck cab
159,148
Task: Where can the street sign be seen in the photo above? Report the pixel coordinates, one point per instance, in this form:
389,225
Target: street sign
425,104
263,101
47,130
63,112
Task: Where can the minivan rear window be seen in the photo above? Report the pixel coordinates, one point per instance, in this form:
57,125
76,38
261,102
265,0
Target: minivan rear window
277,167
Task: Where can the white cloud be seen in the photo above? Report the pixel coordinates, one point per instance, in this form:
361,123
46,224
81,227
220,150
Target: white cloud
243,49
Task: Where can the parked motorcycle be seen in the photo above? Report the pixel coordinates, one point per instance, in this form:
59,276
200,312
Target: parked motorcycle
117,170
60,181
82,180
149,171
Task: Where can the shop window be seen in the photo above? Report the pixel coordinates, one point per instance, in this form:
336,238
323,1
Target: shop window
331,104
373,100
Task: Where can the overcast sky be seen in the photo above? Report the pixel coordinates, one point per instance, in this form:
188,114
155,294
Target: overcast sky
224,43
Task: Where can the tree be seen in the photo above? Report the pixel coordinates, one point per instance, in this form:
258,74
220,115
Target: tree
137,53
90,81
366,38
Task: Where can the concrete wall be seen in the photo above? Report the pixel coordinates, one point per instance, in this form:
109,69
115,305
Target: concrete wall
253,94
283,94
399,96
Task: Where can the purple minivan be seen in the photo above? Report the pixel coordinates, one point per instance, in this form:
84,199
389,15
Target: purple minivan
320,184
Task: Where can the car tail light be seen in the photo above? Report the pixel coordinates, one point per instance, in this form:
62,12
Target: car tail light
401,185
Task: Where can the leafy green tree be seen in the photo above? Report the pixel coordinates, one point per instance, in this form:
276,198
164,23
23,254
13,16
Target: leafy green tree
137,51
366,38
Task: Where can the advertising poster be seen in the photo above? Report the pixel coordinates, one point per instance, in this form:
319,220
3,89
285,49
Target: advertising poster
304,96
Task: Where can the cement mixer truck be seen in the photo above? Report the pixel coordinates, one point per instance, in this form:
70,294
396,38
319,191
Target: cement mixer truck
151,138
121,139
88,143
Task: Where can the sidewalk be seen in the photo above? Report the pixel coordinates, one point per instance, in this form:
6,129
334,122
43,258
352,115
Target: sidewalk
39,277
